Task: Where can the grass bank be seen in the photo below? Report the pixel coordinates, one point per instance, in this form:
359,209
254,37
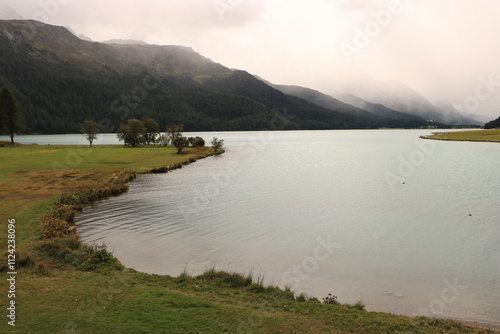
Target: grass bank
63,286
478,136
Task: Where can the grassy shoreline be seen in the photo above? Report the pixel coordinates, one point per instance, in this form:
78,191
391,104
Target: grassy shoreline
489,136
56,295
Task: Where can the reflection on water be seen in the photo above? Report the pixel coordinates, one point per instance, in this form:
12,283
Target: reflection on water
379,216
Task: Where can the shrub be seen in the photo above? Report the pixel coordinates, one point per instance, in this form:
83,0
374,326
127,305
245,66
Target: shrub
330,299
211,274
302,298
358,306
64,251
184,279
160,170
258,288
54,228
237,280
198,142
55,222
180,143
97,257
233,280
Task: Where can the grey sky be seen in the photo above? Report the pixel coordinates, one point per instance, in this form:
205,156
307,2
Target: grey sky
443,49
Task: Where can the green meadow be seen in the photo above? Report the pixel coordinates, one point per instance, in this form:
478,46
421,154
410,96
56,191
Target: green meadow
477,135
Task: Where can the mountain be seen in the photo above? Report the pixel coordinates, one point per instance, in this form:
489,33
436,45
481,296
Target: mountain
448,108
397,96
61,80
379,114
80,36
493,124
58,45
309,115
324,100
374,108
125,41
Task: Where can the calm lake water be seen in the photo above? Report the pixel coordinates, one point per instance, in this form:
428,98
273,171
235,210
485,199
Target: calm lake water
406,225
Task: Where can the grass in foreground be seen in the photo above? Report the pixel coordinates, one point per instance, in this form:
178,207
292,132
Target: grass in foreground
480,136
59,291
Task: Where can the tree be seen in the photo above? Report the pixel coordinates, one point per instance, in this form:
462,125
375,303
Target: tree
180,143
198,142
121,133
174,131
9,113
217,144
152,130
90,129
163,140
132,133
493,124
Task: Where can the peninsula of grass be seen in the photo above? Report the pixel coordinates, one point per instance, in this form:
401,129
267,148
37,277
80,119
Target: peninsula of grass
63,286
474,136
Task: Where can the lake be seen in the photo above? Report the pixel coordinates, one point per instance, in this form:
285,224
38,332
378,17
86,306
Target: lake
405,225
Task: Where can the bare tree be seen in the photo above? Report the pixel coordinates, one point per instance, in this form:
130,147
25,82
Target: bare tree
217,144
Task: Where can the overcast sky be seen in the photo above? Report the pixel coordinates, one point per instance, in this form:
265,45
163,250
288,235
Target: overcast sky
443,49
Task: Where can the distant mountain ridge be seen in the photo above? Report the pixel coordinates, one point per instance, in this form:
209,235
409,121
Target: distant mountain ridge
399,97
379,114
80,36
374,108
125,41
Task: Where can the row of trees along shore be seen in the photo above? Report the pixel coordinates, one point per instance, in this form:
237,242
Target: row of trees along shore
147,132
